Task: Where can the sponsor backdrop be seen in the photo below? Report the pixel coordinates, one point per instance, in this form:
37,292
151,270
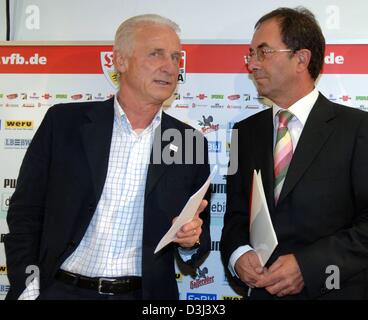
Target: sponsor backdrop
214,91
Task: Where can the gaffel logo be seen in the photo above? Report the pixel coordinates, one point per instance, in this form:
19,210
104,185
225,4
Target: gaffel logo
19,124
2,269
201,296
12,96
234,97
232,298
201,278
207,125
10,183
214,146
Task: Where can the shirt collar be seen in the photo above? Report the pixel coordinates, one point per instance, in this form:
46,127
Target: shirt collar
299,109
121,115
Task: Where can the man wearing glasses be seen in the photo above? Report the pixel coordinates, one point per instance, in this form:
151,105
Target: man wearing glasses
313,156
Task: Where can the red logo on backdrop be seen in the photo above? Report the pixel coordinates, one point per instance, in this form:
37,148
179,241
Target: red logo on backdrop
345,98
46,96
108,68
77,96
201,96
182,67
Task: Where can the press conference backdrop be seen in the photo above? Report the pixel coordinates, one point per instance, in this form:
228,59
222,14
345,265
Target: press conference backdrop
214,91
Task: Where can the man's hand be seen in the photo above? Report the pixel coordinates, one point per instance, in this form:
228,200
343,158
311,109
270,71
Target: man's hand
283,277
189,233
249,269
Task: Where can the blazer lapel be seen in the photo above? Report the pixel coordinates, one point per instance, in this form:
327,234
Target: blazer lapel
264,139
157,167
96,135
315,133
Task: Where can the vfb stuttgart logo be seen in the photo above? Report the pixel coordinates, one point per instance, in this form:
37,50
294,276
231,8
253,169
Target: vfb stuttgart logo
112,75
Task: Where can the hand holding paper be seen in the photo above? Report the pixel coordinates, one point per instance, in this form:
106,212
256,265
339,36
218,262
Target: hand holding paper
188,213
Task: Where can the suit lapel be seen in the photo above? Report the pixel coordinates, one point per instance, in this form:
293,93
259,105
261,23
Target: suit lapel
315,134
156,167
264,147
96,135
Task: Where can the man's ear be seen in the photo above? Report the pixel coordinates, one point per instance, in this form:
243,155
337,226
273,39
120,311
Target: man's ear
120,61
304,57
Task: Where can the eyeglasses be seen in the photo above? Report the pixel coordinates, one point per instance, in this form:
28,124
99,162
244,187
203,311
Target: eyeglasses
261,53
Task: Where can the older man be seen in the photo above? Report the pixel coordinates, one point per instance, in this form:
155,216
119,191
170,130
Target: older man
107,189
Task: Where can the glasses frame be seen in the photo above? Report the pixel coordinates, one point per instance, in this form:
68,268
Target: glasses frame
262,52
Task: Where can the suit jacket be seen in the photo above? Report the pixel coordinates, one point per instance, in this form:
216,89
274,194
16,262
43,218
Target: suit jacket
61,180
322,213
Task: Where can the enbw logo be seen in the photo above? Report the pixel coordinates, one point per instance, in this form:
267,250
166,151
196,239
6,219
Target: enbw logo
201,296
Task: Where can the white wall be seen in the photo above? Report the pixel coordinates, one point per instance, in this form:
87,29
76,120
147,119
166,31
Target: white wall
214,20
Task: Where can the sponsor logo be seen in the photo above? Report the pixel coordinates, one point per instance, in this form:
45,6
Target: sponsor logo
15,143
11,105
10,183
182,67
12,96
23,96
232,298
332,97
182,106
332,59
46,96
2,269
34,96
246,97
201,96
215,245
217,96
18,124
201,278
4,289
218,208
108,68
5,199
207,124
28,105
77,96
234,97
176,95
61,96
188,96
218,188
361,98
345,98
179,276
217,106
252,106
201,296
214,146
229,106
99,96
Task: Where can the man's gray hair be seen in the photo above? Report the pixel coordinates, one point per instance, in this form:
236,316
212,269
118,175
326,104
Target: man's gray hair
124,37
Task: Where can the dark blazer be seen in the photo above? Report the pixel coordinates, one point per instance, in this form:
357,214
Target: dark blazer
322,213
60,183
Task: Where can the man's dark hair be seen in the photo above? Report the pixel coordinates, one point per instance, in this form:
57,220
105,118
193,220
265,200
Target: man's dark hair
300,30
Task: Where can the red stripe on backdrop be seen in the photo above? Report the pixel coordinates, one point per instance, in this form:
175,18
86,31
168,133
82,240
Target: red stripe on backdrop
200,58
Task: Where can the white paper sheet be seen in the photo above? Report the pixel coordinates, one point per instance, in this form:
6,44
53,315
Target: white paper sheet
263,238
187,213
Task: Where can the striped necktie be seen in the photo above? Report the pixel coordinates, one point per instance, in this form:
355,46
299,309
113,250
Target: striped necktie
283,151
